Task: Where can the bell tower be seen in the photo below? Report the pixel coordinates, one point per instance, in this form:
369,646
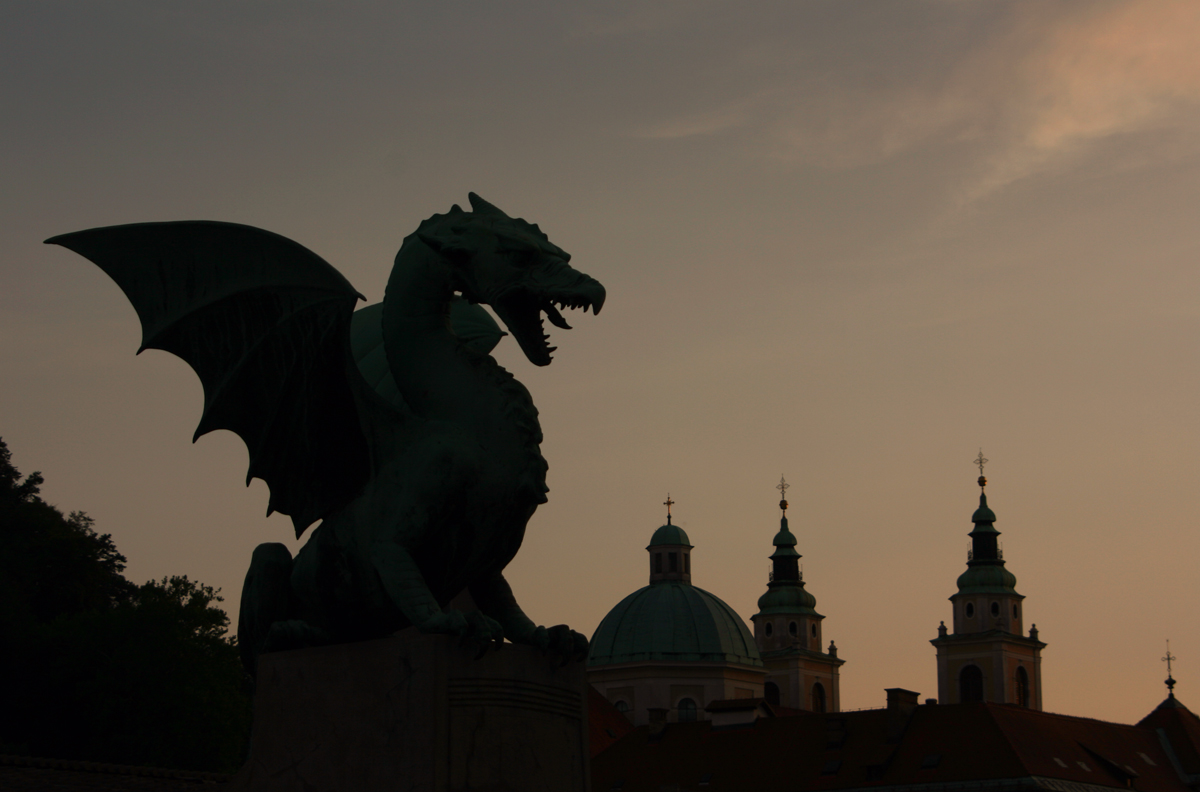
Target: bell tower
787,629
987,657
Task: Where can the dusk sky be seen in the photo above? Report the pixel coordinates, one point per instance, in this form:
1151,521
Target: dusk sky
846,242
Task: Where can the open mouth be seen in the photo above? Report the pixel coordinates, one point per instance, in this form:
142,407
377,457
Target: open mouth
523,312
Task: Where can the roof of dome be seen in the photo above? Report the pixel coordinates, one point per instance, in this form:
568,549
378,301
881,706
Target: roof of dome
987,579
670,535
785,538
673,621
983,516
787,599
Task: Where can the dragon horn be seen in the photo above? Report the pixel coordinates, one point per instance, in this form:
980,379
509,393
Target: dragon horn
481,206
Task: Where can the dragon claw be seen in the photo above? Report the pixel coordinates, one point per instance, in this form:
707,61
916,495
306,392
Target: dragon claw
475,631
560,641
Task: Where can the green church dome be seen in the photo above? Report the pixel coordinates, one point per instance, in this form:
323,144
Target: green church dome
673,621
989,579
983,514
669,535
788,600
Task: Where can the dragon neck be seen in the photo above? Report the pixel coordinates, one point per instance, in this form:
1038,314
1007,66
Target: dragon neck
441,378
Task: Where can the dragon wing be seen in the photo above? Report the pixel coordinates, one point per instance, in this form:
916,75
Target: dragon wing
265,323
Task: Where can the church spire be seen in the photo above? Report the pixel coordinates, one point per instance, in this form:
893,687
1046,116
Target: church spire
987,657
1170,681
785,561
985,547
787,629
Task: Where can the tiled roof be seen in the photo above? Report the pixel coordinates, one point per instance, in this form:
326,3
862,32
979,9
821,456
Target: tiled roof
966,746
1182,729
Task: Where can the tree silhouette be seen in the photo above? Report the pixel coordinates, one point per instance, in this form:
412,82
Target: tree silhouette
94,667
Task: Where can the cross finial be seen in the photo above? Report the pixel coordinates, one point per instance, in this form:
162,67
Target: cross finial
782,486
668,503
1170,681
981,461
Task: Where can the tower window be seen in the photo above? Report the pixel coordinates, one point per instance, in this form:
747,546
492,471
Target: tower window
687,710
771,693
792,628
995,608
687,563
1016,611
673,559
970,610
814,630
767,629
658,563
818,698
1022,687
970,684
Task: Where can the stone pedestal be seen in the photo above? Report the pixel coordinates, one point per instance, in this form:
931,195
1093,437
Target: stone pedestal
414,713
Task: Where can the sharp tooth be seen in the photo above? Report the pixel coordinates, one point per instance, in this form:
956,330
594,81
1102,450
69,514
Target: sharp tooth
551,349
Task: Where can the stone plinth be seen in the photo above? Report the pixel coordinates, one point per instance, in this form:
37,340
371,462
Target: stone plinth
414,713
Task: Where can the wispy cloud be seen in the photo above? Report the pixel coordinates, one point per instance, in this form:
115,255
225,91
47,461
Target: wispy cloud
1127,68
712,121
1038,86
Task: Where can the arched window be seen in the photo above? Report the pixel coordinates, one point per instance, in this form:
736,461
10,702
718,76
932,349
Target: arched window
1016,611
687,710
818,698
1022,687
995,608
814,630
771,693
792,628
673,558
658,563
970,684
970,610
622,706
767,629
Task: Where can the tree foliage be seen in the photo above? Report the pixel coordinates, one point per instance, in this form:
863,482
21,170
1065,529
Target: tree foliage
97,668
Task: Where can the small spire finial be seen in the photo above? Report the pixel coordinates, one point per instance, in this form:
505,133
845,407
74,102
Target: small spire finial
1170,681
668,503
782,486
979,460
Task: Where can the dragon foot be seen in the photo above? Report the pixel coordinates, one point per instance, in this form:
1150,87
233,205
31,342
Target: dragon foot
476,632
560,641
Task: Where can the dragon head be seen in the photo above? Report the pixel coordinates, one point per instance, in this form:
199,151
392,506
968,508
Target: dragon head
512,266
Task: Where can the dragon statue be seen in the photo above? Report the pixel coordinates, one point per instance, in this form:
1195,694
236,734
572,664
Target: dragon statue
392,425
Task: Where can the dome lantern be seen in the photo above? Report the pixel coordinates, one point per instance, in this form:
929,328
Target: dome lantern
670,552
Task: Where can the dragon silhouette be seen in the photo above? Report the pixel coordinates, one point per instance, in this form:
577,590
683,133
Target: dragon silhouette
392,426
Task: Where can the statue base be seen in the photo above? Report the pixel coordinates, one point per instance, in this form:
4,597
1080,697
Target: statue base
415,713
